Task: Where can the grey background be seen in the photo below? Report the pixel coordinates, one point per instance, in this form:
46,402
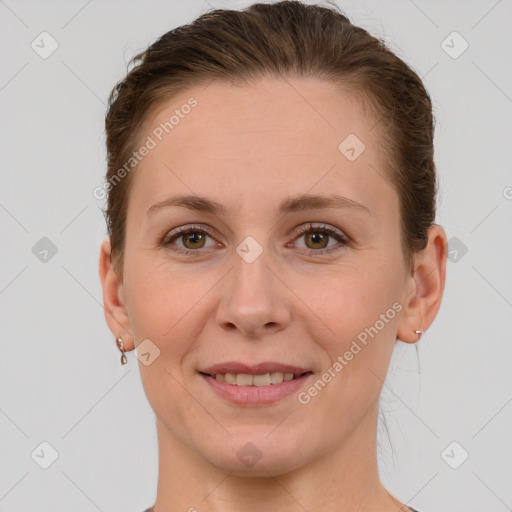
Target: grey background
60,377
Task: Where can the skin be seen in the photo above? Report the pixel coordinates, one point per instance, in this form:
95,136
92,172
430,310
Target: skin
249,148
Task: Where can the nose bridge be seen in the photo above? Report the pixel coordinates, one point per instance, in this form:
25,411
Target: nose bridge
252,299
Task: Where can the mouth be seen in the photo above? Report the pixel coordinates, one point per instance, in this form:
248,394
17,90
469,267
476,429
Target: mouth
258,380
254,385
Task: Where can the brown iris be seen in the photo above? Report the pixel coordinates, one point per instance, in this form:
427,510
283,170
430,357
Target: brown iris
322,241
195,238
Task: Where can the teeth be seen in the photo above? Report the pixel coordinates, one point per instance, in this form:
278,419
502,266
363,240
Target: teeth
230,378
276,378
261,380
243,379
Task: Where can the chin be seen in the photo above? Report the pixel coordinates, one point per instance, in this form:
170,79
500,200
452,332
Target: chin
258,455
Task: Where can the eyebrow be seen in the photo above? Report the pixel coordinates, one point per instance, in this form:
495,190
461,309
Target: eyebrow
289,205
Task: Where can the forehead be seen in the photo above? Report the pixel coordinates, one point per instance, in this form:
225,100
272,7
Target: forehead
272,138
313,111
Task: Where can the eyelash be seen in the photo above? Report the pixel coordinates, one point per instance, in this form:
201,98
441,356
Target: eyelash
338,235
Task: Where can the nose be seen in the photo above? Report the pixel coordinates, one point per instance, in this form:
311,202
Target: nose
254,299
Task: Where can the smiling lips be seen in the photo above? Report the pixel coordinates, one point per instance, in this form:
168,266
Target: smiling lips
254,384
263,374
264,379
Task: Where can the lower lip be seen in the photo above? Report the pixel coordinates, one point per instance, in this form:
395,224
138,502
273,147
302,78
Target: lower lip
255,395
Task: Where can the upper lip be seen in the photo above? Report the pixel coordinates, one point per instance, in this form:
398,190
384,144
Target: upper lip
251,369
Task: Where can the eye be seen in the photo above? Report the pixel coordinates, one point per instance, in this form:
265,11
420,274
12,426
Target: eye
317,238
193,238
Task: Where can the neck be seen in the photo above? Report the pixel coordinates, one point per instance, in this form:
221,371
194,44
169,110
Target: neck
344,479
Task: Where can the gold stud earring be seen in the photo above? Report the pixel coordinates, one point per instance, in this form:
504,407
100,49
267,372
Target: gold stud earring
120,346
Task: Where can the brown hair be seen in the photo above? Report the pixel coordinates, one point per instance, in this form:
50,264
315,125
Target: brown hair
283,39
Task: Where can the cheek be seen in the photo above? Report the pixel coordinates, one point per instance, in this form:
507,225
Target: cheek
351,298
360,308
165,303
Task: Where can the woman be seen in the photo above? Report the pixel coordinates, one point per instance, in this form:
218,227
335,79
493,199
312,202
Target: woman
271,205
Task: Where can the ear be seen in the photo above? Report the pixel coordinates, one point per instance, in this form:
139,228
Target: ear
114,304
425,287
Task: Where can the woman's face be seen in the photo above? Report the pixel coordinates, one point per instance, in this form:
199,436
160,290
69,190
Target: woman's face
247,287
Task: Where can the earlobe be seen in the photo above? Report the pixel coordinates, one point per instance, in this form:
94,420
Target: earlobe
113,298
425,287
